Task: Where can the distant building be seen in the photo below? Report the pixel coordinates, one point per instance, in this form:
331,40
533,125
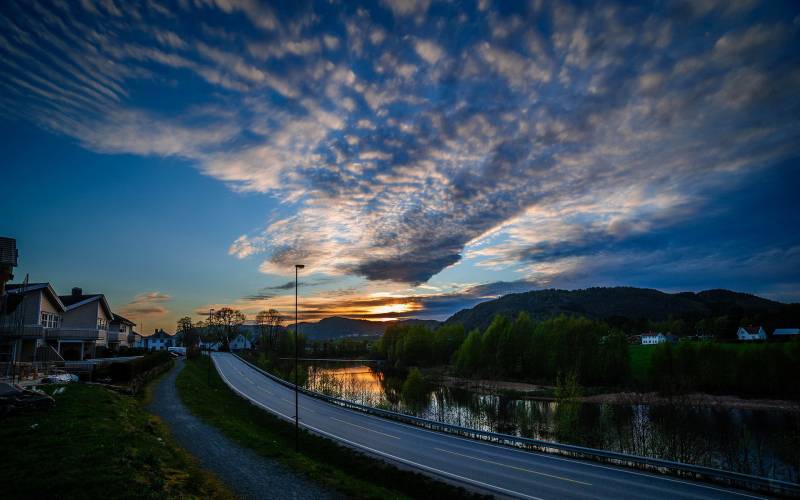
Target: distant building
240,342
121,332
786,332
159,341
748,333
657,338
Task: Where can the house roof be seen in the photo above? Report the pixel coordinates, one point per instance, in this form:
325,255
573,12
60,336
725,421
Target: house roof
160,334
17,288
752,330
121,319
75,301
786,331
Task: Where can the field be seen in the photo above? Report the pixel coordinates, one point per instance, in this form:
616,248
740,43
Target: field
640,359
96,443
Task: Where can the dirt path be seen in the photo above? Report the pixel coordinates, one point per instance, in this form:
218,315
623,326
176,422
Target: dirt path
245,473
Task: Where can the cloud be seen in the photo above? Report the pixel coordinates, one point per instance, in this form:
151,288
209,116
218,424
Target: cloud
428,50
397,150
148,305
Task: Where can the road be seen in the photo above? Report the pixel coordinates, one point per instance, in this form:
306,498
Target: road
498,470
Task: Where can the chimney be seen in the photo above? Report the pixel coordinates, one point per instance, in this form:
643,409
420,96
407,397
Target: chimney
8,260
77,292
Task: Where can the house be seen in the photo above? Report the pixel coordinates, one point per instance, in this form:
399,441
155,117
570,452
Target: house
85,325
120,332
657,338
240,342
159,341
209,345
748,333
786,332
32,318
136,340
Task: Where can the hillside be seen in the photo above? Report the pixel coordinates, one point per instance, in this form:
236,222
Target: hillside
337,327
623,302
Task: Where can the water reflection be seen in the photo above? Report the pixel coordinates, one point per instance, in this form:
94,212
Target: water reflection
765,443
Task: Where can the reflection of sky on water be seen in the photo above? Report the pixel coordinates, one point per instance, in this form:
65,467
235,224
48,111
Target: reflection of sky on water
717,437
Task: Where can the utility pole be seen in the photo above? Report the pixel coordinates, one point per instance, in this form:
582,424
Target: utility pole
297,267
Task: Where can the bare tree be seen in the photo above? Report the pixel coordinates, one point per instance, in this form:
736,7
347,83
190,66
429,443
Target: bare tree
268,321
228,321
188,331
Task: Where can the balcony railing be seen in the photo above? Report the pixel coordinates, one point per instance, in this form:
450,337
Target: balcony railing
116,336
17,331
73,333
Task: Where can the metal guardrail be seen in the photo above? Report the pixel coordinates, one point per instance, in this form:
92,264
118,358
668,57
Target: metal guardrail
667,467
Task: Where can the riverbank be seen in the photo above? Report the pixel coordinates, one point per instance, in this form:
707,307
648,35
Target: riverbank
525,390
97,443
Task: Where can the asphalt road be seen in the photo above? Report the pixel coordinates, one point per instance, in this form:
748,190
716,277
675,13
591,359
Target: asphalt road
482,466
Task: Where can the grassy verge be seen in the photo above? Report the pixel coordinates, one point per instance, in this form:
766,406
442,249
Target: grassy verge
322,460
96,443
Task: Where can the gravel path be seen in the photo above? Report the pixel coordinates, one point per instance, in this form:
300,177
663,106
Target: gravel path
247,474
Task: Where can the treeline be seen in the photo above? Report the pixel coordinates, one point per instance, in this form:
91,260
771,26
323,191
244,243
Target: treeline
340,348
417,345
590,350
595,353
757,370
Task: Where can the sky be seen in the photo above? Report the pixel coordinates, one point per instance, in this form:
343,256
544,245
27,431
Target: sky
416,156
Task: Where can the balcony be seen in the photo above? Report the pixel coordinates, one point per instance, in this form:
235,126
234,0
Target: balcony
116,336
73,333
17,332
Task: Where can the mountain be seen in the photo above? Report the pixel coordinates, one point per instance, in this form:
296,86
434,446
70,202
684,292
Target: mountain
337,327
621,302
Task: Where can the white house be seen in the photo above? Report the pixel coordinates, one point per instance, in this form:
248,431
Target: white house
159,341
657,338
240,342
786,332
747,333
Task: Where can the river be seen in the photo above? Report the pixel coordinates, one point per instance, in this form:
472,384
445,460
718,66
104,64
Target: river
759,442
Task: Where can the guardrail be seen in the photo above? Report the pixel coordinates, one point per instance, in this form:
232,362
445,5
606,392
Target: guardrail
667,467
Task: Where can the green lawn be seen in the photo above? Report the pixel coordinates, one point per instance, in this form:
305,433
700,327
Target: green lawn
640,362
96,443
640,358
322,460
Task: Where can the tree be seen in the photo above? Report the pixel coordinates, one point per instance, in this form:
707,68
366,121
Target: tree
414,391
269,322
228,321
468,355
188,331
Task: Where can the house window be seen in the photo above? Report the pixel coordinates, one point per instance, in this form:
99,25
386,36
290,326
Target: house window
102,324
50,320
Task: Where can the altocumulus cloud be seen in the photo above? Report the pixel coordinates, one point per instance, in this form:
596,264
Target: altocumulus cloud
409,135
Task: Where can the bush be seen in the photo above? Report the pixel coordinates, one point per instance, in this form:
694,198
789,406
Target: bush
125,372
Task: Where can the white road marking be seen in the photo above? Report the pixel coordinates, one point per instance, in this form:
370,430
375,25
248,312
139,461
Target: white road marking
365,428
512,467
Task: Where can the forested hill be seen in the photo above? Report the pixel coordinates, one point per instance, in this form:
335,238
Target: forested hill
629,306
336,327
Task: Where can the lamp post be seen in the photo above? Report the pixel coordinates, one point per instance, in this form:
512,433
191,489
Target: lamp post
208,346
297,268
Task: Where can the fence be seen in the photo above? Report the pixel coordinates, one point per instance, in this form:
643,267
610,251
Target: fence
696,472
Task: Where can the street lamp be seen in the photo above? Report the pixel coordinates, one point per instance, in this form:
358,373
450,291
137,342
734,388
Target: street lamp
208,346
297,268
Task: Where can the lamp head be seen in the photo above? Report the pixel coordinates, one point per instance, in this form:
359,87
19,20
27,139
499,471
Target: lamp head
299,266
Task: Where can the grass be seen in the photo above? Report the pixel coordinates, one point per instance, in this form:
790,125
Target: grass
640,362
336,467
96,443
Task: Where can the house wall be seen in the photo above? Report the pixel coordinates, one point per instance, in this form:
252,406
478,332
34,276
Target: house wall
31,303
47,305
83,317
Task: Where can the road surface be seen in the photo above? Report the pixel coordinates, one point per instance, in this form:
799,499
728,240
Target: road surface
482,466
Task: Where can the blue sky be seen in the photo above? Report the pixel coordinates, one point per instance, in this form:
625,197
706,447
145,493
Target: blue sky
416,156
